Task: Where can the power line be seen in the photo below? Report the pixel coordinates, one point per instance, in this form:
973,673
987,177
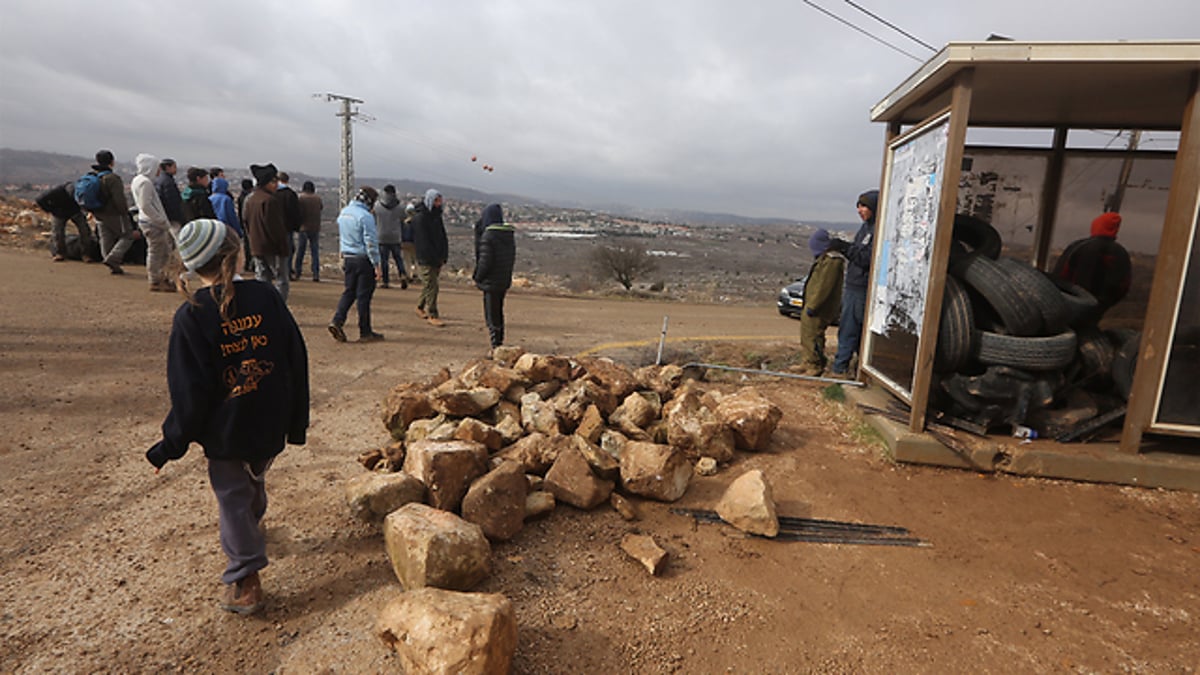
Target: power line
891,25
880,40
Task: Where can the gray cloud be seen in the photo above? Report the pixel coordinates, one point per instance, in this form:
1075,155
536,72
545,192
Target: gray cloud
759,109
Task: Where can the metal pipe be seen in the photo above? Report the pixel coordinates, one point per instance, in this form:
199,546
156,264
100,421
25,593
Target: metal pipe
662,339
775,373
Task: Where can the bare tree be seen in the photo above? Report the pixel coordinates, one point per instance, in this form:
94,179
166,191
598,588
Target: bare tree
623,263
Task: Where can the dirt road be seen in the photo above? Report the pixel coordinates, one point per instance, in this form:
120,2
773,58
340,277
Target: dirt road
105,567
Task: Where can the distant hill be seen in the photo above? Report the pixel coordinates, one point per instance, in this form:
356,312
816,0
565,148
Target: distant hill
34,168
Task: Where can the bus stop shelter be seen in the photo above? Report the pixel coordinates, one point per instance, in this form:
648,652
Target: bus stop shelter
1055,88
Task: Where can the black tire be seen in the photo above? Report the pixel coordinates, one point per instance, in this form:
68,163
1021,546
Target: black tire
1095,355
1018,312
1028,353
956,331
1124,362
1040,291
978,236
1081,305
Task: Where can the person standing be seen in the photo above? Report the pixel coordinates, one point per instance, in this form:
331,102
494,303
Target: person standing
1099,265
433,250
497,252
168,194
310,230
266,230
223,206
408,249
854,291
195,195
59,202
152,221
247,188
289,203
359,245
237,372
389,220
822,302
117,232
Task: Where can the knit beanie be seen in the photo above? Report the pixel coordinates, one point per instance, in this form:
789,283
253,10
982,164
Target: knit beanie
869,199
264,173
199,241
1106,225
818,243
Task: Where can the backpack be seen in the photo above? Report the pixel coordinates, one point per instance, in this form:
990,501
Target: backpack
87,191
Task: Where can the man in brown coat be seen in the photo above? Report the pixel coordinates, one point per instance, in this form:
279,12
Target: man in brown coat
265,228
310,230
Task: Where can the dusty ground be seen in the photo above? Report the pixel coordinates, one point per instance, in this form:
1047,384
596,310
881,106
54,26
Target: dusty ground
105,567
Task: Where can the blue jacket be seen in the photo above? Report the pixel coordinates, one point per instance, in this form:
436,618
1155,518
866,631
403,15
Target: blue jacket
223,205
356,232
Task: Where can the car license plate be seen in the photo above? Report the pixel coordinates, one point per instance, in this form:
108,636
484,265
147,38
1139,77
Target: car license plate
796,302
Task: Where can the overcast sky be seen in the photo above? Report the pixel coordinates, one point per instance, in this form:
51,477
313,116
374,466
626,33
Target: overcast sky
757,108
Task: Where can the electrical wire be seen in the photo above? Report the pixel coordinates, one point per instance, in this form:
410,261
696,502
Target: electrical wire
891,25
874,37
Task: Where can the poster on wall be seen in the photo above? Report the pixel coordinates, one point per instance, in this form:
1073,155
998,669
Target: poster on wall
909,206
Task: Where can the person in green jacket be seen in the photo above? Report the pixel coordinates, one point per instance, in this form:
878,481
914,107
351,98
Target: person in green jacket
822,302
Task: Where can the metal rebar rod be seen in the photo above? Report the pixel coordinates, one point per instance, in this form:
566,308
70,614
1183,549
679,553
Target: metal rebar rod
856,541
776,373
794,523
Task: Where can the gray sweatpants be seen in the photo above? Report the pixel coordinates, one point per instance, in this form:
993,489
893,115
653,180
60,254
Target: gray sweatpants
116,236
241,491
274,270
158,251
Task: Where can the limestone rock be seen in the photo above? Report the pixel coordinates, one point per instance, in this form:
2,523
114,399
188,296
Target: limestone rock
372,496
496,502
749,506
571,480
654,471
545,390
635,413
535,452
421,429
657,432
470,375
660,379
432,547
540,368
538,504
535,481
696,431
501,379
706,466
438,632
591,425
603,464
611,375
510,431
465,402
643,548
403,405
613,442
538,415
507,410
751,417
446,468
573,400
507,355
389,458
624,507
471,429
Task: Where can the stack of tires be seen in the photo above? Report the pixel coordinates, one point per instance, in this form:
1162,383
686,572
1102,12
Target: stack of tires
1015,347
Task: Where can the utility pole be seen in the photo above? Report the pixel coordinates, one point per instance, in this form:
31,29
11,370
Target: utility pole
347,113
1118,195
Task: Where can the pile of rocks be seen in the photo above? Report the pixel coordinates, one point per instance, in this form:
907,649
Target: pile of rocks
476,455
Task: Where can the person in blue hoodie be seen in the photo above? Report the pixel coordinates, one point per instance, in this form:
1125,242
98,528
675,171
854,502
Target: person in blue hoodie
854,291
495,254
360,261
223,205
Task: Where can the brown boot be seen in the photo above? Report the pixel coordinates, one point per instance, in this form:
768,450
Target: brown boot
245,596
434,321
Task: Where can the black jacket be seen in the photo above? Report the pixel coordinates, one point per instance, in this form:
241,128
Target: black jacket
59,201
168,194
497,254
196,204
429,236
238,388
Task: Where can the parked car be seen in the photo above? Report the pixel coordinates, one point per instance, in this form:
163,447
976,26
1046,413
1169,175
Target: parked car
791,299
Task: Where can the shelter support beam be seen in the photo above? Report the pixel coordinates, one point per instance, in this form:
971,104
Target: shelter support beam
960,115
1173,249
1048,215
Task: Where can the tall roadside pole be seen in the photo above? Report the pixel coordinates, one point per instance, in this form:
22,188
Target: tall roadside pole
1118,195
348,113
